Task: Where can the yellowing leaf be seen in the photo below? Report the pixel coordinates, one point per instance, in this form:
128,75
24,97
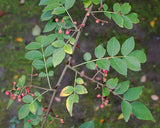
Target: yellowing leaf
101,121
79,81
152,23
66,91
68,48
15,77
120,116
74,98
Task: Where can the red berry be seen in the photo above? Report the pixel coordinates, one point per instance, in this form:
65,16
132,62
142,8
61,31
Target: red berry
29,121
56,19
98,95
83,25
110,90
36,74
97,21
101,106
32,95
51,122
75,23
56,116
19,99
19,96
67,32
105,71
43,109
18,88
11,95
62,121
62,21
60,31
131,114
6,93
23,94
14,98
14,83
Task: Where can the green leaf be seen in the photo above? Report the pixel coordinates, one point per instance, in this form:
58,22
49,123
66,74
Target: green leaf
127,22
133,93
105,91
68,48
103,64
38,95
46,15
10,102
91,65
113,46
108,15
112,83
118,19
126,110
33,107
128,46
119,65
38,64
80,89
99,51
58,56
51,73
33,46
87,56
58,43
132,63
27,99
74,98
141,111
89,124
23,111
79,81
125,8
58,11
46,2
50,26
122,87
72,41
105,7
49,62
96,2
116,7
69,4
33,55
42,74
21,81
68,90
133,17
48,39
49,51
140,55
50,7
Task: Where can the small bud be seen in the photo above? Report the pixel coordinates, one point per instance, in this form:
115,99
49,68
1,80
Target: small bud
6,93
62,121
88,14
14,98
29,121
23,94
110,90
18,88
19,96
75,23
67,32
36,74
11,95
19,99
14,83
86,9
32,95
62,21
51,122
43,109
82,25
56,116
97,21
60,31
101,106
98,95
56,19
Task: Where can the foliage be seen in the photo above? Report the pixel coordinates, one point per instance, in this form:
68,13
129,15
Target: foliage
48,51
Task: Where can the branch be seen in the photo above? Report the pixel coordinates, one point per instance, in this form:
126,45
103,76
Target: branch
64,71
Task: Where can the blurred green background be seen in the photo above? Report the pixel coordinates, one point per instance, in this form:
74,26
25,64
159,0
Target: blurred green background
16,24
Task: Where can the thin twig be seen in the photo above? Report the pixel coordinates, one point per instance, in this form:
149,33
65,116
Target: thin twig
64,70
34,86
